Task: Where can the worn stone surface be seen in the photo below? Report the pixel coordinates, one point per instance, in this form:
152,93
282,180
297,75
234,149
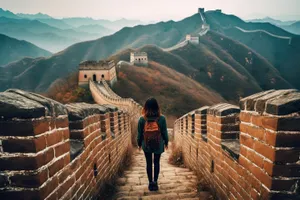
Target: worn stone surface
260,103
248,103
55,108
23,105
111,107
13,105
76,147
79,111
287,104
174,182
223,109
232,147
202,110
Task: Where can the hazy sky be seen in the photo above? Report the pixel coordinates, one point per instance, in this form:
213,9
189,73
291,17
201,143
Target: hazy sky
153,9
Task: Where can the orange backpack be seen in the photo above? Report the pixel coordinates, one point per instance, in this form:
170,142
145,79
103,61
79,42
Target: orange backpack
152,134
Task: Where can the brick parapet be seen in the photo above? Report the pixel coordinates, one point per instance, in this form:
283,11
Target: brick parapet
252,152
54,151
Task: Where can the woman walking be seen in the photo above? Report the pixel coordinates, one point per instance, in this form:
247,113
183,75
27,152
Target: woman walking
152,138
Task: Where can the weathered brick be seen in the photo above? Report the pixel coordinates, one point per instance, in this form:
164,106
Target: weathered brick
253,131
246,140
283,139
30,180
3,181
26,162
65,187
245,117
24,145
62,148
54,138
56,167
24,128
22,194
49,187
255,158
264,150
62,122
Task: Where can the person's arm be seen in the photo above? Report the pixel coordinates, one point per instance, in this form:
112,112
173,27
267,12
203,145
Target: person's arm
140,133
165,131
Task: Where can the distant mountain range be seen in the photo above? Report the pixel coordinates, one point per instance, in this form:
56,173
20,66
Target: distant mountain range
34,16
290,26
57,34
45,36
293,28
272,21
229,61
12,49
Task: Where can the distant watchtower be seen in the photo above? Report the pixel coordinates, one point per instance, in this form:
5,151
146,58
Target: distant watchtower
194,39
201,10
97,71
139,58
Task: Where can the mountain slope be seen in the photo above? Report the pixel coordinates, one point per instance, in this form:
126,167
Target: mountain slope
176,92
219,62
40,74
43,35
272,21
114,25
293,28
232,76
12,50
8,14
34,16
282,54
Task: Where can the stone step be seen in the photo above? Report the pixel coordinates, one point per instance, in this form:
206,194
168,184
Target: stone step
174,182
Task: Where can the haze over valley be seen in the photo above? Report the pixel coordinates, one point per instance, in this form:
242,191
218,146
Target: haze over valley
234,58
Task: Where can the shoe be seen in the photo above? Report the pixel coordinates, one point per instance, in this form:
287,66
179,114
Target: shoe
150,186
155,186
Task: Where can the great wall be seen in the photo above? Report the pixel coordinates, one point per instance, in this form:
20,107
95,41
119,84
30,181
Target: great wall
204,29
54,151
266,32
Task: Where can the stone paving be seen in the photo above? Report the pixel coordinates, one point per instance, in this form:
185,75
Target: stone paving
174,182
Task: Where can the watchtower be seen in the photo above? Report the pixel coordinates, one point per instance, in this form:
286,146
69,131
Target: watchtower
194,39
97,71
139,58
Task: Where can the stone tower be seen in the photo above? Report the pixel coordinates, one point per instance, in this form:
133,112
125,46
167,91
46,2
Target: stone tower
97,71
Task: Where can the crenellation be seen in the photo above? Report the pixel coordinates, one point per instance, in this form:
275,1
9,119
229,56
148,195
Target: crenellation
49,153
97,71
252,153
139,58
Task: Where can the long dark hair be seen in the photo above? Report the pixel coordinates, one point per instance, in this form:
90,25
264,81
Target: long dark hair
151,108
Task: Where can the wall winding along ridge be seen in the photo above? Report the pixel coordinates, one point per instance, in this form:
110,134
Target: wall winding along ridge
54,151
251,152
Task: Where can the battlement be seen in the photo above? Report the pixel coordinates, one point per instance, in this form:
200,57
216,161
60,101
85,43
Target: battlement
246,152
54,151
97,71
201,10
192,38
94,65
139,58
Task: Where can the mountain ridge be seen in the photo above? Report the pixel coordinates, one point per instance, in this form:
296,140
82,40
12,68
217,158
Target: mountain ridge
12,49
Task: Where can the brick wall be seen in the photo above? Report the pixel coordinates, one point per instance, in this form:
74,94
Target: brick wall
54,151
246,152
109,97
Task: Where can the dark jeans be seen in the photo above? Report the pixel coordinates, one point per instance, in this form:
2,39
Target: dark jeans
149,165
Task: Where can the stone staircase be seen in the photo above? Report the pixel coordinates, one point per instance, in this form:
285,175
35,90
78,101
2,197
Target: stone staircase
174,182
